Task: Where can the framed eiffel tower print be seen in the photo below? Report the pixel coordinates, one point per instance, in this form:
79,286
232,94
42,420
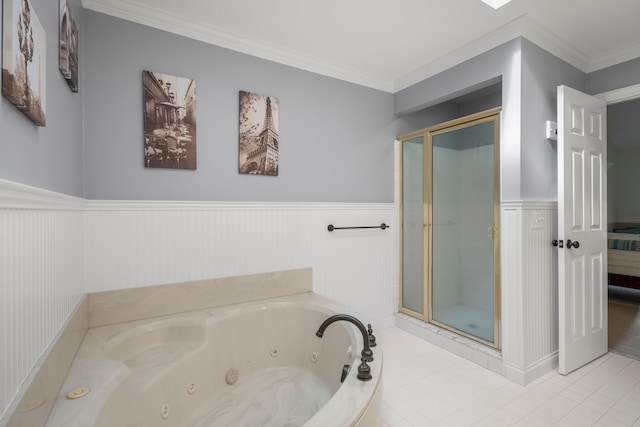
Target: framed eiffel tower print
259,140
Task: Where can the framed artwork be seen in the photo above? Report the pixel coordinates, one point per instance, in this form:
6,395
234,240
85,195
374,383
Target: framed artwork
68,51
24,70
258,134
169,121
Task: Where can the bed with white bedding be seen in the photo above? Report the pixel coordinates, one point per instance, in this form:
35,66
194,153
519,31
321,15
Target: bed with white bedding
624,257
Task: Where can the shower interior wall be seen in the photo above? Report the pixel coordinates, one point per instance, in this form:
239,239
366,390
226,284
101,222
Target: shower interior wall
472,284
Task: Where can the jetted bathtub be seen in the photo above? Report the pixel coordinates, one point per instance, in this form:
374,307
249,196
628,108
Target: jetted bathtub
252,364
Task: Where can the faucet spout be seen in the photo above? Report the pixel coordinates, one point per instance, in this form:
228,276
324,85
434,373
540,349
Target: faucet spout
364,370
366,353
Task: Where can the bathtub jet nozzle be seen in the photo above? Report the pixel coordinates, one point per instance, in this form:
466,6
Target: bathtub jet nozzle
364,371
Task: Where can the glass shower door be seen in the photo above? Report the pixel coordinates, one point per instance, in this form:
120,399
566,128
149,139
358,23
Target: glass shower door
463,244
412,229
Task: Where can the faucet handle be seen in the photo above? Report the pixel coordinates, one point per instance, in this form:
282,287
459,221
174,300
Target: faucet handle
367,354
364,370
372,338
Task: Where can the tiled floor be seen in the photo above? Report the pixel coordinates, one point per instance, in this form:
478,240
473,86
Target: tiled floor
424,385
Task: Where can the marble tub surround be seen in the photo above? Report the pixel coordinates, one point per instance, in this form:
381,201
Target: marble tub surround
166,361
125,305
40,391
36,397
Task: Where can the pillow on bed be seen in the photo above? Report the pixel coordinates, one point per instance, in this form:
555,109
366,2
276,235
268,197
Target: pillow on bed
629,230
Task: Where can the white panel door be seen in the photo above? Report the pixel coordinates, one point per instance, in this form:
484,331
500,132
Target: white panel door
582,228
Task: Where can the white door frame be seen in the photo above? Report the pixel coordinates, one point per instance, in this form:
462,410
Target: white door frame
617,96
620,95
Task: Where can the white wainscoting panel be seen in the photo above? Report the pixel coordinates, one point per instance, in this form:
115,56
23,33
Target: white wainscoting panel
529,289
133,244
56,248
41,277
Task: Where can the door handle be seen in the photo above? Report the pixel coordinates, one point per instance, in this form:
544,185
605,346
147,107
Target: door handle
571,244
558,243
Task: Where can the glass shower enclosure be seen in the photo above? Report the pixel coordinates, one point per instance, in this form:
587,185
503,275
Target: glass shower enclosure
450,221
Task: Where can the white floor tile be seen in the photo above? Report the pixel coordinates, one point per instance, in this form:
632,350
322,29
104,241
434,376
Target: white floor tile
419,420
391,418
580,416
426,386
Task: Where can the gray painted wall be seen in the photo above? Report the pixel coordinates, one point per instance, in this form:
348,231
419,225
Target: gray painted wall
336,138
612,184
530,77
483,103
47,157
428,117
475,73
502,63
449,110
623,195
614,77
626,174
542,73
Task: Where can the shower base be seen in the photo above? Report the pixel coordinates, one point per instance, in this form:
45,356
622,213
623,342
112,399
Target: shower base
471,320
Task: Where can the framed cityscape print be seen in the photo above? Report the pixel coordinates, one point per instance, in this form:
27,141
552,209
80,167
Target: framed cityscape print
169,121
258,134
24,70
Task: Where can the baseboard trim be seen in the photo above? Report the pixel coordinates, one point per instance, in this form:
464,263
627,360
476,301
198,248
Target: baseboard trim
532,372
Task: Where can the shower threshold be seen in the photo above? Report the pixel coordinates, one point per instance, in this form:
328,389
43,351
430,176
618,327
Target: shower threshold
466,348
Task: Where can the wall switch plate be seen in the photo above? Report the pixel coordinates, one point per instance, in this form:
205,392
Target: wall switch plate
551,130
537,220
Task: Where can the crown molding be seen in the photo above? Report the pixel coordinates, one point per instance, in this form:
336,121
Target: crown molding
554,44
131,11
458,56
615,57
523,26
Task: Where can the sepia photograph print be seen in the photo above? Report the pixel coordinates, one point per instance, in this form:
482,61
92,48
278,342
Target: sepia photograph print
68,50
169,121
258,134
24,55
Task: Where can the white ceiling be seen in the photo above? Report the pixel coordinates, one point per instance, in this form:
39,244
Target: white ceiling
392,44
